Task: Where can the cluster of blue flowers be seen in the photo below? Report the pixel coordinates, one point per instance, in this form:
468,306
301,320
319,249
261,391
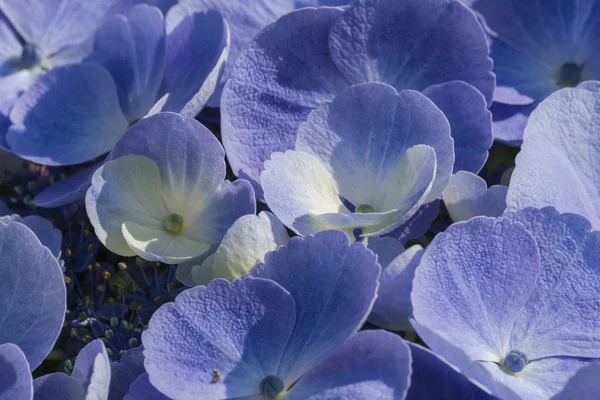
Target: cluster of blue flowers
299,199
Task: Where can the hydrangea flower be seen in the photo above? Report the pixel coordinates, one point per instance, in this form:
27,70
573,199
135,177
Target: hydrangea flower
32,307
537,49
293,321
392,308
559,158
89,380
243,246
38,36
246,19
162,195
367,160
141,63
517,294
467,196
310,55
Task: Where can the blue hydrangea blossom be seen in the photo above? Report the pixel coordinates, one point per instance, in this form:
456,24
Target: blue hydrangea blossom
310,55
367,160
537,49
467,196
516,295
559,159
141,63
293,321
32,307
162,194
90,379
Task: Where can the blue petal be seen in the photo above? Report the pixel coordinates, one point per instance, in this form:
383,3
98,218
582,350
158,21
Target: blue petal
125,372
559,159
142,389
58,386
554,321
246,20
584,385
132,47
43,229
468,196
418,224
68,190
197,48
393,307
470,122
237,329
412,44
32,293
333,286
15,381
472,282
370,365
10,47
510,121
428,368
283,75
69,116
4,210
123,6
475,371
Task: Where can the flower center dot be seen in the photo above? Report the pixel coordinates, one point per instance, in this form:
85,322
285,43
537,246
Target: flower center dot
364,209
174,224
30,56
271,386
570,75
515,361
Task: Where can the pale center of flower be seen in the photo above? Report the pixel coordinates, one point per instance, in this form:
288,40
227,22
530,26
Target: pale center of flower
515,361
569,75
174,224
364,209
271,386
30,56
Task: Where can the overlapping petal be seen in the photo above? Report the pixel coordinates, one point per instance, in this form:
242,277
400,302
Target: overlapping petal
15,381
408,44
32,293
245,244
372,364
468,196
239,330
330,308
